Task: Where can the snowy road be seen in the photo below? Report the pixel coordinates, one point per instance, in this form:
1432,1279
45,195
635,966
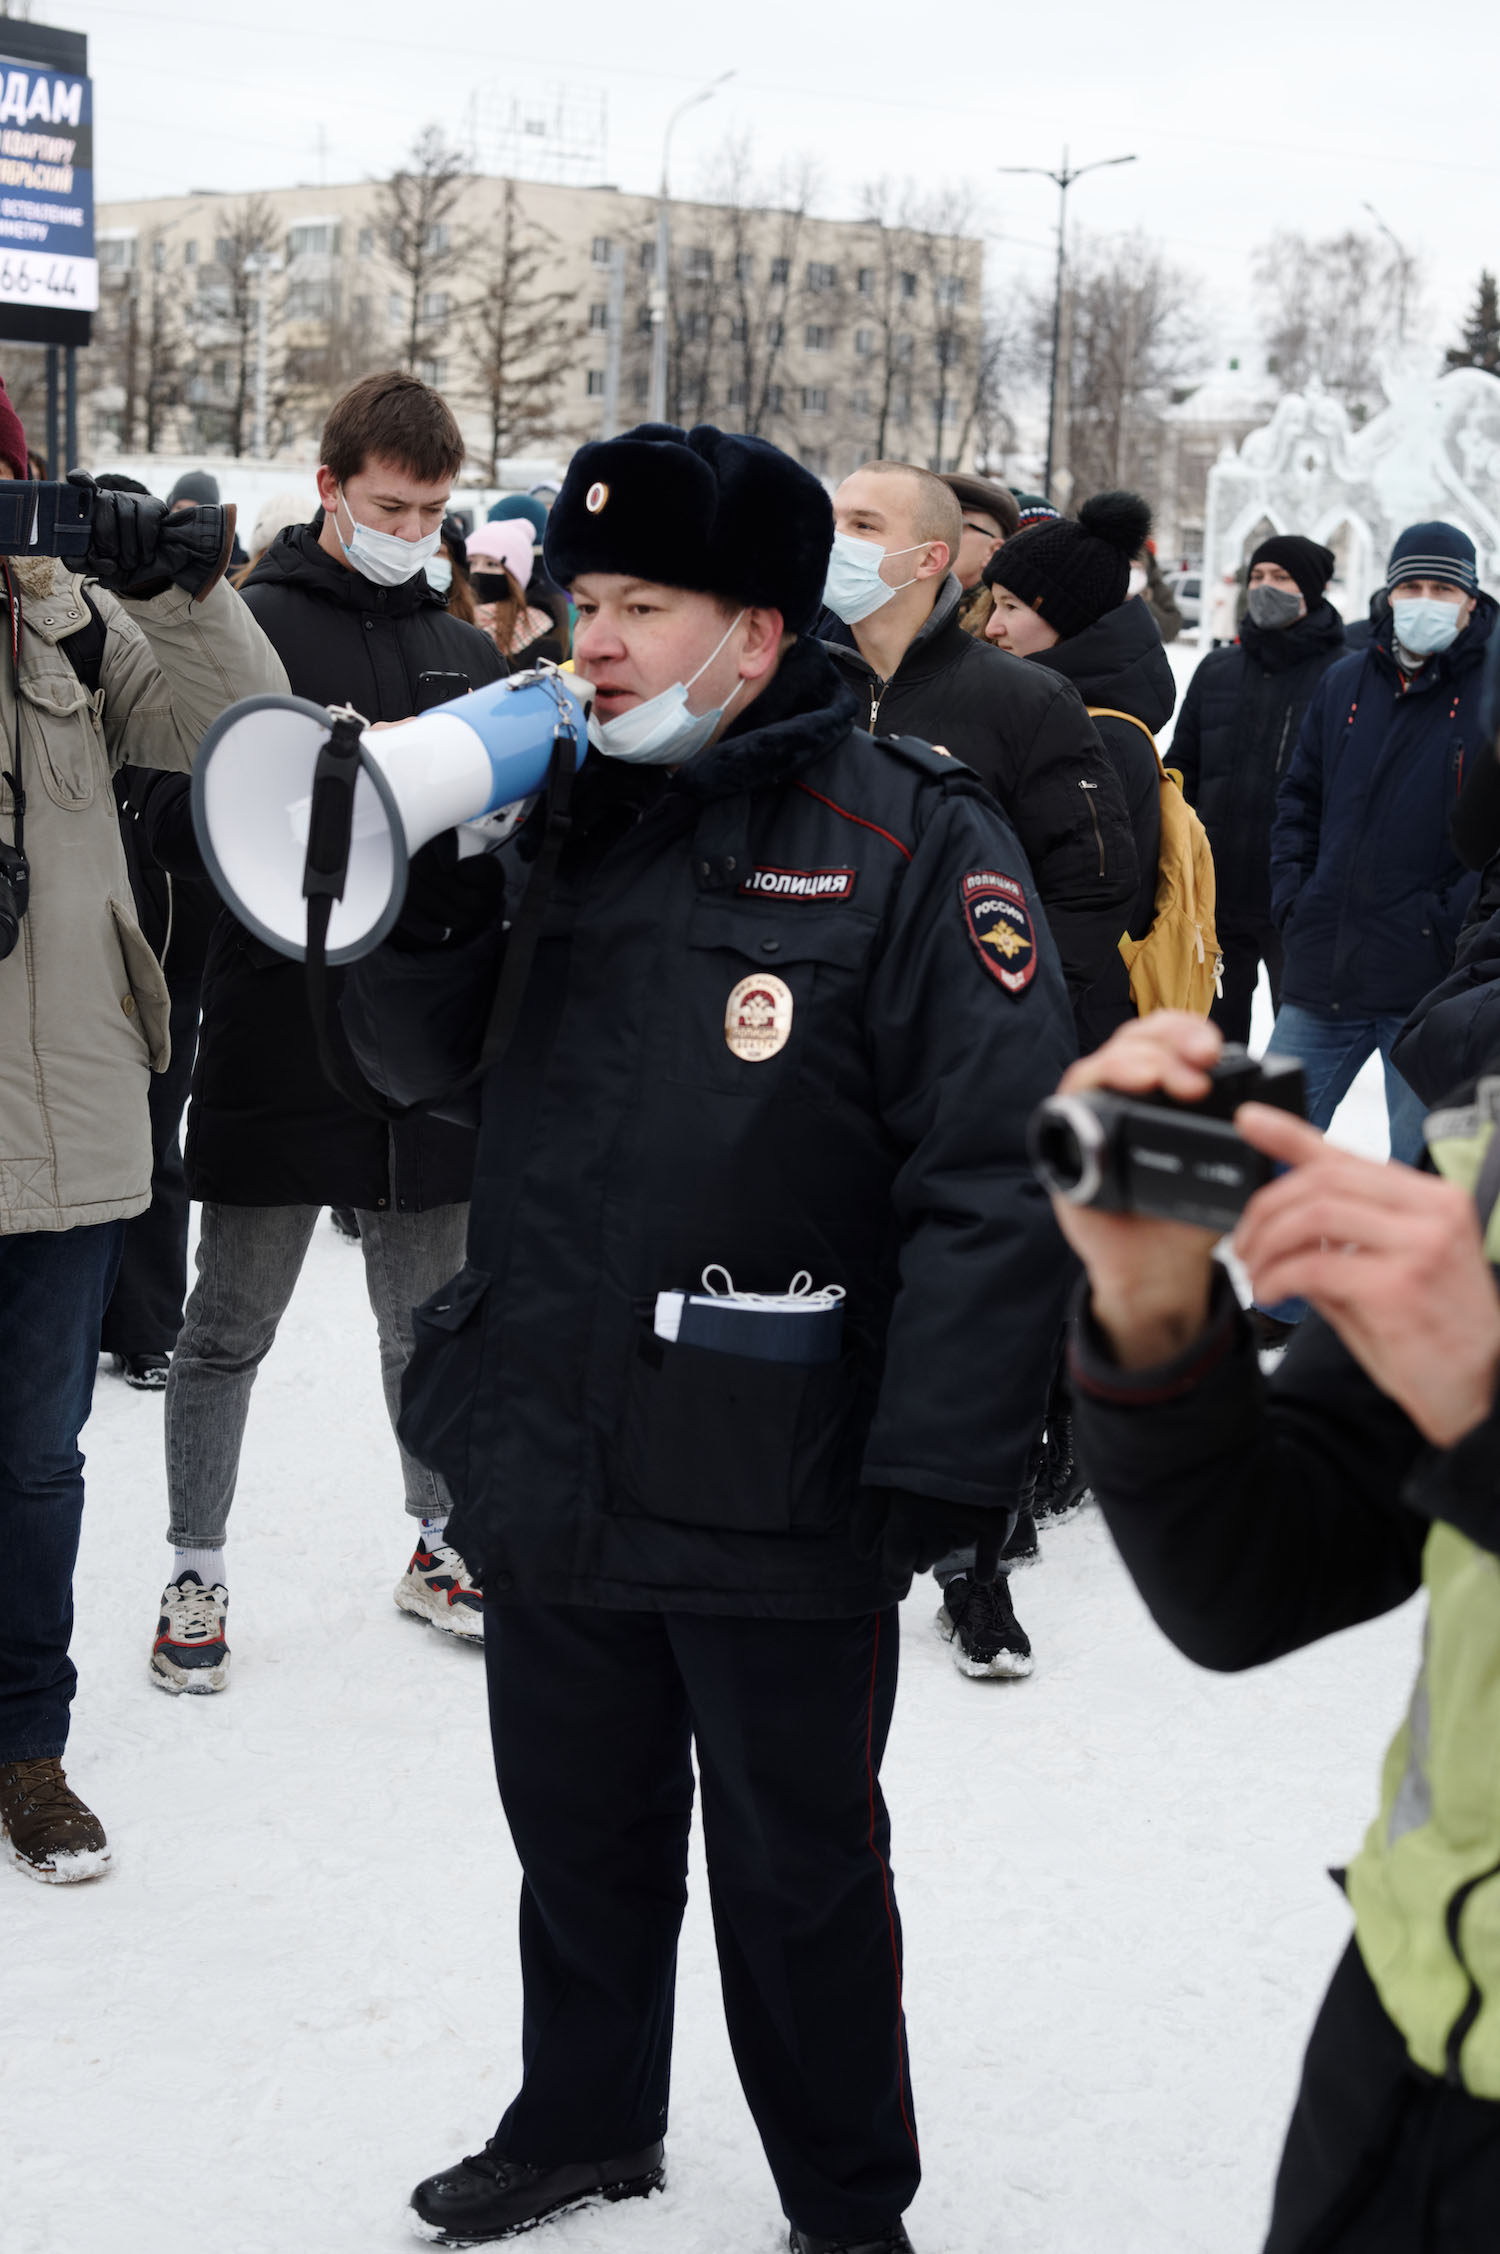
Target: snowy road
297,1991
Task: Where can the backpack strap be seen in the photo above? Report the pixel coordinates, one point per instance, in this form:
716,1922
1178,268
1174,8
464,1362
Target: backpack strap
1108,712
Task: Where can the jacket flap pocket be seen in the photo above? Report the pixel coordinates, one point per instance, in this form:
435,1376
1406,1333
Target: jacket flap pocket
791,934
453,1303
152,1004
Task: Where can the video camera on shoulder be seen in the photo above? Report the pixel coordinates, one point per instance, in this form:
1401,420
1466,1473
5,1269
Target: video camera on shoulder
44,519
1159,1156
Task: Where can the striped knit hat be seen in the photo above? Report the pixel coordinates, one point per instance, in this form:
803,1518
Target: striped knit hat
1434,551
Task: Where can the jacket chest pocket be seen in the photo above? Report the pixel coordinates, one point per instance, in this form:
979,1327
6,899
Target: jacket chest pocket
769,1004
60,734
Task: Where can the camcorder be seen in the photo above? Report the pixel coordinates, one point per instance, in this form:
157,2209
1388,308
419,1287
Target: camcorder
1158,1155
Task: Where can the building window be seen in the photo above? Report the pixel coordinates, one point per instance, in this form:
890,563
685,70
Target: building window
815,458
190,254
315,242
738,331
643,321
818,339
648,258
859,403
116,252
696,326
822,277
593,382
395,308
744,266
901,406
221,375
362,308
367,242
434,372
775,333
598,316
437,305
781,272
223,252
641,388
950,289
866,281
864,343
904,345
436,241
908,285
774,398
814,402
602,251
698,263
158,256
311,301
739,395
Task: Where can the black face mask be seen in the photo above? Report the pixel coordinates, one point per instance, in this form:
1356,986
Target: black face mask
1273,606
491,587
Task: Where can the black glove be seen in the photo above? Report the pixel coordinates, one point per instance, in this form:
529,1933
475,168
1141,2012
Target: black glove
448,900
910,1533
137,546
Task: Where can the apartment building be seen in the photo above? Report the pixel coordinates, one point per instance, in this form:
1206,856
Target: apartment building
228,323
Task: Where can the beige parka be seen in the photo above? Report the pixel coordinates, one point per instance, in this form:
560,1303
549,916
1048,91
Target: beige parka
83,1003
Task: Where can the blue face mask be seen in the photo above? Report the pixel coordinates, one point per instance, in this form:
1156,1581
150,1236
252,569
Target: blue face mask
1424,624
662,732
854,588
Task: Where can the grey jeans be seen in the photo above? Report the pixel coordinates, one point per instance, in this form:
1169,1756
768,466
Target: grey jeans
249,1259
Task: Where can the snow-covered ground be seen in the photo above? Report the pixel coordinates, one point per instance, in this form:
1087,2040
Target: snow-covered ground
297,1991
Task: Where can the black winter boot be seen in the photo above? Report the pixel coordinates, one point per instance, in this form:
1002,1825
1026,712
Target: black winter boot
891,2240
1062,1486
487,2197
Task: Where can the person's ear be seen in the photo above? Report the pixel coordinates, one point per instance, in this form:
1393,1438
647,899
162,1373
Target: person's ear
936,561
328,486
762,644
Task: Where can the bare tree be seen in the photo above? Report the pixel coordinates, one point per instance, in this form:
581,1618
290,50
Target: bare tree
1331,308
517,332
224,321
418,208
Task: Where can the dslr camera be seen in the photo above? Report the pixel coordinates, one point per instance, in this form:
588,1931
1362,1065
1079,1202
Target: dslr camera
1159,1156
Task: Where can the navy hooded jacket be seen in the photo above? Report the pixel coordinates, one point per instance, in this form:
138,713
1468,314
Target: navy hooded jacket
1366,887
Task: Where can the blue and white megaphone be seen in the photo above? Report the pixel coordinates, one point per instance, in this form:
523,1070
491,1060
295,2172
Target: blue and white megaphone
472,761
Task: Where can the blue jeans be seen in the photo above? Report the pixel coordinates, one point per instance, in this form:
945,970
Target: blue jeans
53,1292
1332,1050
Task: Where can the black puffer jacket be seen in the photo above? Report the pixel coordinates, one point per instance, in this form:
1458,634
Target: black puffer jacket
265,1128
1234,741
1026,735
872,905
1119,664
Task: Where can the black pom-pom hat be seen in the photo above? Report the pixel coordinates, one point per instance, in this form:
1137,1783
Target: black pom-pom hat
1074,570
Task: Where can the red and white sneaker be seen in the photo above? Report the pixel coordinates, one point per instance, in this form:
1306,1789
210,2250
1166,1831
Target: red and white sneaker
190,1653
438,1586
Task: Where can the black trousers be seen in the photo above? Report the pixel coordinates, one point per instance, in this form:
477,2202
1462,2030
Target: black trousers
144,1314
1244,947
593,1714
1379,2158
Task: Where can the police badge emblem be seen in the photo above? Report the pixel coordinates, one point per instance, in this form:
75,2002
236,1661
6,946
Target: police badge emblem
758,1018
998,922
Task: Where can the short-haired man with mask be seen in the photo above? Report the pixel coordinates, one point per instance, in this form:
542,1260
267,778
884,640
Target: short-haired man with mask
347,604
791,1005
893,630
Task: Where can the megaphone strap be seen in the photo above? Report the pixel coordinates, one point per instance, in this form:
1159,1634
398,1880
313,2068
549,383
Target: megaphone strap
335,1057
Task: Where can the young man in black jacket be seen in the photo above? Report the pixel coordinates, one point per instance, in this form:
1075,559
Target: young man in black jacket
790,1008
347,606
894,632
1257,1517
1234,740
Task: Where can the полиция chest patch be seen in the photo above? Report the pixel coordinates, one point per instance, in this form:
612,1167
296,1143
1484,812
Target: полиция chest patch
998,922
758,1018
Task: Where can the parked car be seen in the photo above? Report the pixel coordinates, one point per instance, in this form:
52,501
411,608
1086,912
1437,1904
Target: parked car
1187,587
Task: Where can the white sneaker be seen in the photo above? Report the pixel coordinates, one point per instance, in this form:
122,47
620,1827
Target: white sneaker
438,1586
190,1653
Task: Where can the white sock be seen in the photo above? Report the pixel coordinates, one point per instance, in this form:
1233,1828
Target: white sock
432,1532
207,1564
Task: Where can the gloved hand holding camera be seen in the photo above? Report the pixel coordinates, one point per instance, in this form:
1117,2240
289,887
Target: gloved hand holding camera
138,546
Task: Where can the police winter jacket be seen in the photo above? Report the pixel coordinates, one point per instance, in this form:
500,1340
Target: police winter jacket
83,1004
1234,740
1118,663
265,1128
1365,885
1210,1478
1027,736
790,1010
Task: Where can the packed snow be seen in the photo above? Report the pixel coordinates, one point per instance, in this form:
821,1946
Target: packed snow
297,1992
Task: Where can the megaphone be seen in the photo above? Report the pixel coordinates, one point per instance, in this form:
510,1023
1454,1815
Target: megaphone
479,756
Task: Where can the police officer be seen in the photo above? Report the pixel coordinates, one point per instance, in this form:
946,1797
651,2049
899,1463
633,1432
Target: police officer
791,1006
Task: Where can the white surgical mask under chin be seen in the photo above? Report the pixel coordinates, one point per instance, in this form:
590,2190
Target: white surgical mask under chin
380,556
662,732
854,588
1137,584
1425,624
439,570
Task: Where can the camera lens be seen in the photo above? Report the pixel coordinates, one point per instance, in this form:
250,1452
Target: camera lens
1066,1144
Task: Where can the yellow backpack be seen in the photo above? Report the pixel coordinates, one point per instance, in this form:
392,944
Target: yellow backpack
1177,965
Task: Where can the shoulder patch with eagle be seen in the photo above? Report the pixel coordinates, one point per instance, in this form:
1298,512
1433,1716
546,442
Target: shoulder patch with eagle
999,924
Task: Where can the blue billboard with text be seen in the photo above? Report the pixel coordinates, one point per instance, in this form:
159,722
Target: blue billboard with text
47,253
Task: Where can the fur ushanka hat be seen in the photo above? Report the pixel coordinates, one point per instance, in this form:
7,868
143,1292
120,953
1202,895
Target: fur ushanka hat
705,509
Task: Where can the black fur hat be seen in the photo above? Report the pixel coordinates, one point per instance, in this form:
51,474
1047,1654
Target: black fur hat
1075,570
705,508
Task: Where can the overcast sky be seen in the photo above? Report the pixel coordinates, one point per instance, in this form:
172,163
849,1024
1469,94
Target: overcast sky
1243,118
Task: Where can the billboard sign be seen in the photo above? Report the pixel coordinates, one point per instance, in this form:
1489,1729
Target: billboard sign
47,252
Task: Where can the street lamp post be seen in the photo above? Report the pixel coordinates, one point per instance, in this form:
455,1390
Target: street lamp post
1063,179
660,297
263,264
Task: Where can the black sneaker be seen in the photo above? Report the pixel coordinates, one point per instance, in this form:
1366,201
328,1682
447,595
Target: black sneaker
1022,1547
147,1373
1062,1486
978,1619
486,2196
891,2240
